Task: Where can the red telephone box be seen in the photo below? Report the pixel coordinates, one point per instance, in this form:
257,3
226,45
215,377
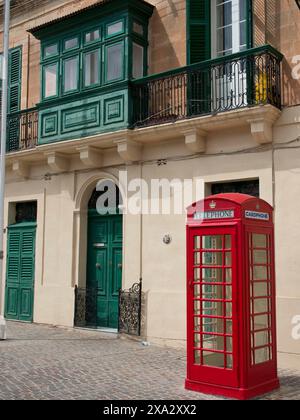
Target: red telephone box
231,318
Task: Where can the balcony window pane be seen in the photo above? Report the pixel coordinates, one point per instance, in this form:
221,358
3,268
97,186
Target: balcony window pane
115,28
230,28
71,43
243,9
92,36
51,81
243,35
138,28
114,62
71,74
138,61
92,68
224,13
51,50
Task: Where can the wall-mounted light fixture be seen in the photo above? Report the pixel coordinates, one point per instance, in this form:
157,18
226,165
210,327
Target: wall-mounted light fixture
167,239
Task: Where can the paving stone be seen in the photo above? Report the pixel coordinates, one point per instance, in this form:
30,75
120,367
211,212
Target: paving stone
47,363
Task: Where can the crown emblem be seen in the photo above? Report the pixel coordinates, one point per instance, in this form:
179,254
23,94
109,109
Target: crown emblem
213,205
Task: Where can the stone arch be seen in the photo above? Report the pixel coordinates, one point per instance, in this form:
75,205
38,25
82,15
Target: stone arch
85,192
81,224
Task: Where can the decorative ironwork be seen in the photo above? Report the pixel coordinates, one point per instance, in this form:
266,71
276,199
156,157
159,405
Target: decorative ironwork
130,310
86,307
227,83
22,130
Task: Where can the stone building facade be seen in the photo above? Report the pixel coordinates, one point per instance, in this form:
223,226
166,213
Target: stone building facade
241,139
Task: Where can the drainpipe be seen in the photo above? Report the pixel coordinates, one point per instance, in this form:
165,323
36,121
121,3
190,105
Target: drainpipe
141,226
3,151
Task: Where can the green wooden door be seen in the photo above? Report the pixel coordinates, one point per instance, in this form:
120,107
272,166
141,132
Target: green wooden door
104,268
20,272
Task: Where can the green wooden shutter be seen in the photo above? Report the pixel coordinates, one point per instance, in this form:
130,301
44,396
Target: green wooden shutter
20,272
14,97
250,28
14,80
199,27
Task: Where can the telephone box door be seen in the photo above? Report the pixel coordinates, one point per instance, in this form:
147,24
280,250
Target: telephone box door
212,309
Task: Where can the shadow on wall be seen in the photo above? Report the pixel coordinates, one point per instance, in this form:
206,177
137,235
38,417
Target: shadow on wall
289,47
166,47
282,30
277,22
273,22
291,86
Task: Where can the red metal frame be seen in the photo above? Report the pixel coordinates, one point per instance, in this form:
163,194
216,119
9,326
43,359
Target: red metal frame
249,223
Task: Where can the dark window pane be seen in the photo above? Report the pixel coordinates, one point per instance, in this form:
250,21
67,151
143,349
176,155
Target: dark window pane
242,187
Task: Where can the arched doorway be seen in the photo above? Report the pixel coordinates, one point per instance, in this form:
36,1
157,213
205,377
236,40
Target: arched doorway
104,256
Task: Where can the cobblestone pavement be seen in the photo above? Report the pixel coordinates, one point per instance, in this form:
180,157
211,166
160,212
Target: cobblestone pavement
41,362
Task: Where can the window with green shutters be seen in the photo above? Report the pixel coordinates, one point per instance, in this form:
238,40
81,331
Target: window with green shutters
199,43
202,27
20,272
14,96
14,80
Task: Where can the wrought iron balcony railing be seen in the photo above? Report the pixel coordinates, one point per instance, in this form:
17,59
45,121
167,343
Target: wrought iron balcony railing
242,80
22,130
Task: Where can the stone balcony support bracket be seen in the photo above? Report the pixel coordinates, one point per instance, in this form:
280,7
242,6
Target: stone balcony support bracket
90,156
21,169
262,127
129,150
57,162
195,140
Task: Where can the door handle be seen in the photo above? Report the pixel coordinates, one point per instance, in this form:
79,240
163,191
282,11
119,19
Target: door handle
98,266
120,266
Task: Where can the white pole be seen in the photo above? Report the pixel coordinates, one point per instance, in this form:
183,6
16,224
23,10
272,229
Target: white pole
3,151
